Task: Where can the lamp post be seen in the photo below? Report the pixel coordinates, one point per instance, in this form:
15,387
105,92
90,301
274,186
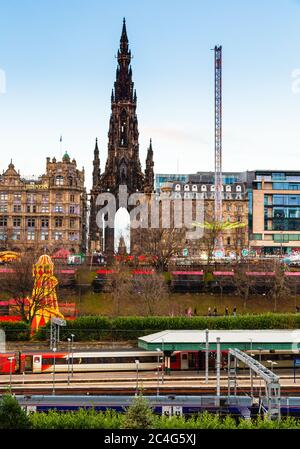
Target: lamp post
53,386
218,366
158,351
137,377
272,364
163,362
72,340
69,350
260,349
206,355
10,370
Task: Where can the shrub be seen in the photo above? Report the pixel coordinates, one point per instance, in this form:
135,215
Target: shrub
139,415
11,414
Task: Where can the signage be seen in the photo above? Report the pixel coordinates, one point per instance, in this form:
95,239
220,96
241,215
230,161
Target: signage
185,252
297,362
245,252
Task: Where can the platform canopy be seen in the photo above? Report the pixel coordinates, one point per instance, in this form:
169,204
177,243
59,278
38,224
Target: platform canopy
185,340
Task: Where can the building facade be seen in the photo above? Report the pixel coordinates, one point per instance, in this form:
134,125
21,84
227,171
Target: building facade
235,210
123,165
275,214
46,214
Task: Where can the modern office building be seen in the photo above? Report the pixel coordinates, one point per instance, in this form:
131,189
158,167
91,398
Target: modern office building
275,212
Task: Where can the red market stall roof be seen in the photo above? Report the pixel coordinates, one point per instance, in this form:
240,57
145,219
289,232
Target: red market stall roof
61,254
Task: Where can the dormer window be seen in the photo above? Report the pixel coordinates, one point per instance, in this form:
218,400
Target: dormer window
228,188
177,187
238,188
212,188
59,180
203,188
187,188
194,188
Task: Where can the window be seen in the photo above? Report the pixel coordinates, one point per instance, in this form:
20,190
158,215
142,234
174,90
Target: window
177,187
3,207
59,180
17,208
58,208
212,188
194,188
238,188
17,222
59,197
45,209
203,188
17,197
3,236
187,188
72,223
16,235
228,240
228,207
58,222
30,235
45,198
72,198
58,235
30,222
72,209
3,196
73,236
44,222
228,188
3,220
44,235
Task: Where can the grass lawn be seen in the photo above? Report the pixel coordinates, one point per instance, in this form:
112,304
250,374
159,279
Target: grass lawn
102,304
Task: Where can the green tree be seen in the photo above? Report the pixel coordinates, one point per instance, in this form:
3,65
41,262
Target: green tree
139,415
11,414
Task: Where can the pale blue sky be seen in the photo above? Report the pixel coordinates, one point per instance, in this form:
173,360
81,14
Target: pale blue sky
58,57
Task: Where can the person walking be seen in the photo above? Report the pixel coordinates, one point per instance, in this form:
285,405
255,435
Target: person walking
215,311
234,311
209,311
226,311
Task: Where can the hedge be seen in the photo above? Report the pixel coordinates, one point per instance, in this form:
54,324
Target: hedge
89,419
130,328
15,330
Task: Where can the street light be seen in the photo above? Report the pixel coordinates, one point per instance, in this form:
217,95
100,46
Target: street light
158,350
251,340
10,370
272,364
72,337
69,350
53,386
137,377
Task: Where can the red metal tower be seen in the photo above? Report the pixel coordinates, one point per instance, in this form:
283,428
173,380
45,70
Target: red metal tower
218,151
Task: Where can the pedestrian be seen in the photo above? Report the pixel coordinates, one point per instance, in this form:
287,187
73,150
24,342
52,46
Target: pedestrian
226,311
195,311
209,311
297,309
234,311
215,311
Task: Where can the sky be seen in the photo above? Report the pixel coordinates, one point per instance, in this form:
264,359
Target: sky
57,68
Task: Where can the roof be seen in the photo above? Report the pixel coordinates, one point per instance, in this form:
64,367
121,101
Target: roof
241,339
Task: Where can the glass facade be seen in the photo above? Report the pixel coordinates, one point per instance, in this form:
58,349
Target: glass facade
282,212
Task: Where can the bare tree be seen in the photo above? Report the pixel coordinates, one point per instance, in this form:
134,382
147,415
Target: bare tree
150,290
280,286
30,294
162,244
120,285
242,282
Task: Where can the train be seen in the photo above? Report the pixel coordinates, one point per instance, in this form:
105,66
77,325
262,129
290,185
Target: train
98,361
